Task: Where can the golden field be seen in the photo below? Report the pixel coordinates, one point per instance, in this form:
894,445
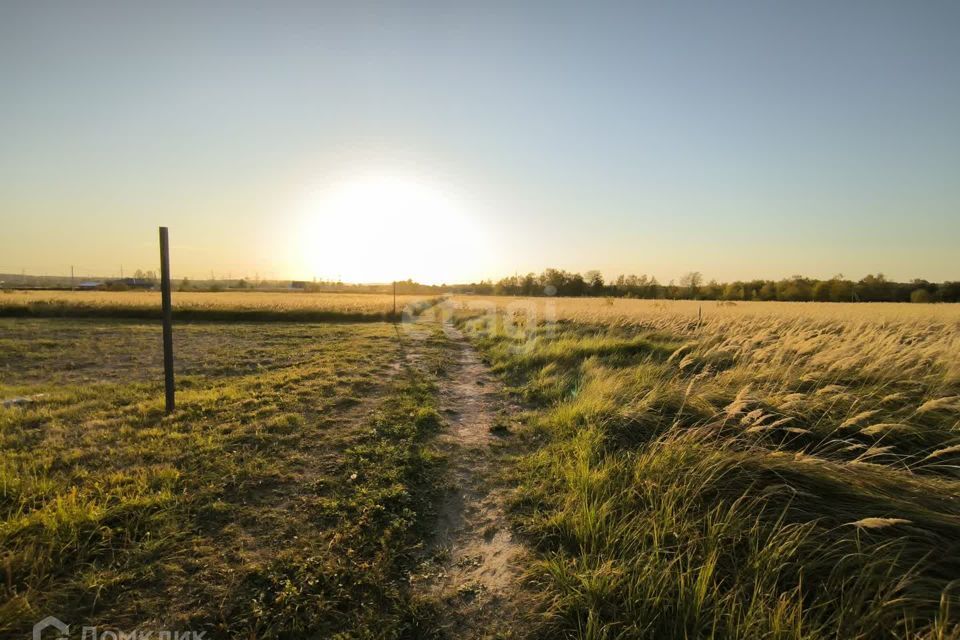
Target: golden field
629,311
767,470
365,303
213,306
893,339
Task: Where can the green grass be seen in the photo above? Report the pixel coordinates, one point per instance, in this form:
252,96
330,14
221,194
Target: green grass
669,499
784,479
287,494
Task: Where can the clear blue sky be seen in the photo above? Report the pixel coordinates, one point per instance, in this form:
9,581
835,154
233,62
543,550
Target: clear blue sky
740,139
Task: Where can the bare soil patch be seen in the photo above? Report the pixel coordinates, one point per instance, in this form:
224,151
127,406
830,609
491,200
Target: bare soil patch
474,562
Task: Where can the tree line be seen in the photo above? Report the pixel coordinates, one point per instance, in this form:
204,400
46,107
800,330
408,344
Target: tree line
872,288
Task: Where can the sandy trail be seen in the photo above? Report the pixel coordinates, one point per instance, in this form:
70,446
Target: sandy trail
474,565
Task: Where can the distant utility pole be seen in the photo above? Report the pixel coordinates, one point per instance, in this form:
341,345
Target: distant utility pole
71,278
167,318
394,299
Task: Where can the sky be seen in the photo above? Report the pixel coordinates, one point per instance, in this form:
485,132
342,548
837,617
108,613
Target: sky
450,141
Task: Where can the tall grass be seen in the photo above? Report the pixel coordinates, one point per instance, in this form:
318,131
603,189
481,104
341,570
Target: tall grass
759,475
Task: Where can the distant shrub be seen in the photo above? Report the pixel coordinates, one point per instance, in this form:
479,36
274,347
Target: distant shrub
920,296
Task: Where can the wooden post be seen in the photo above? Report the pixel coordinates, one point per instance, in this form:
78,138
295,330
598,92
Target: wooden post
167,318
394,299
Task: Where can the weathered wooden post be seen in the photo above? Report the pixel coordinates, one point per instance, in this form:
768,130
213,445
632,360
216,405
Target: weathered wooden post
167,318
394,300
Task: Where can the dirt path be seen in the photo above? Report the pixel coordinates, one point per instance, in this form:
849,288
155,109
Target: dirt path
474,563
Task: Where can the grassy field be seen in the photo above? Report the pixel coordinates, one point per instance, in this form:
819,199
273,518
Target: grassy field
193,305
285,496
769,471
670,313
759,470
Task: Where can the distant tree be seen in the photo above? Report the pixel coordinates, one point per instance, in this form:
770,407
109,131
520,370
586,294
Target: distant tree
733,291
949,291
920,296
576,285
484,287
149,276
768,291
713,290
529,285
652,288
554,280
595,282
690,284
875,288
821,291
794,289
841,290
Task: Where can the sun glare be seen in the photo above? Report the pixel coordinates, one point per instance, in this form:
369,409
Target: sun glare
380,229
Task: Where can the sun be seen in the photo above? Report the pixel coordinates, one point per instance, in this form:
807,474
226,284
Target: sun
384,228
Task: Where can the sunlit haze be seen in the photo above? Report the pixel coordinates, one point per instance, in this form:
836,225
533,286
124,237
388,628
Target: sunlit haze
371,228
445,142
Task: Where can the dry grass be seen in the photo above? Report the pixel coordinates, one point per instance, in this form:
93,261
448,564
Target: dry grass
217,306
776,342
227,300
772,470
628,311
